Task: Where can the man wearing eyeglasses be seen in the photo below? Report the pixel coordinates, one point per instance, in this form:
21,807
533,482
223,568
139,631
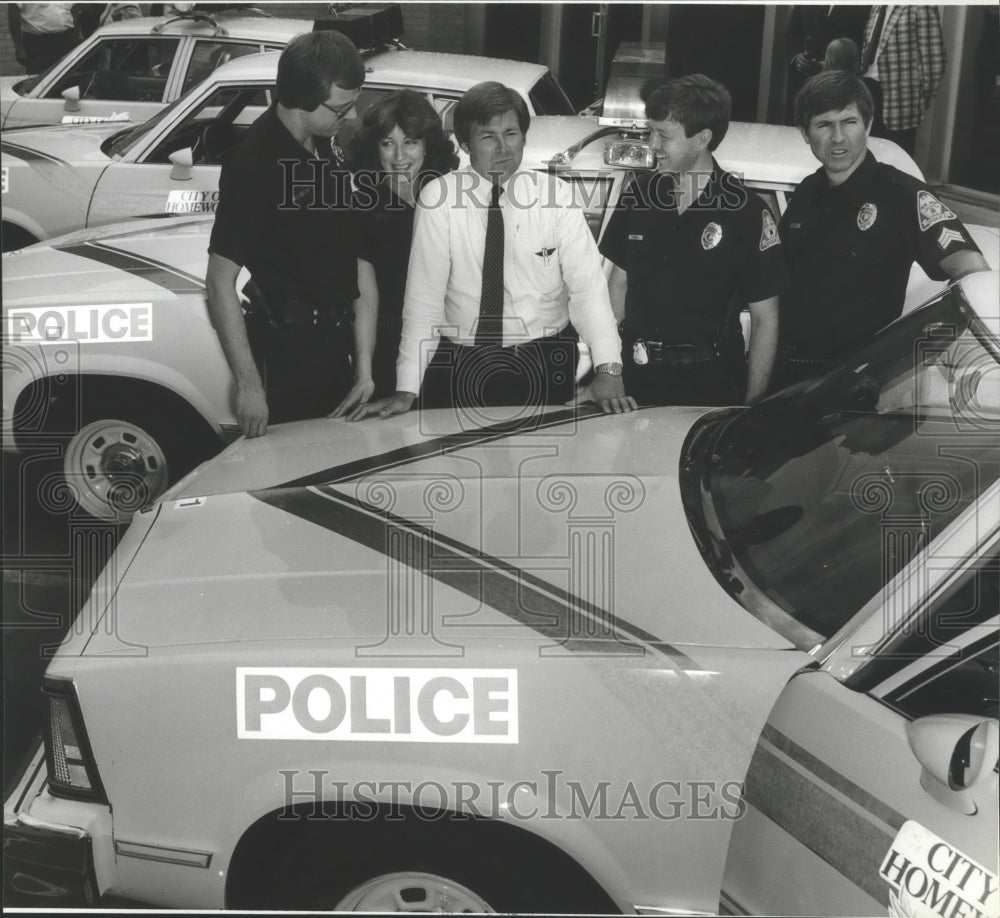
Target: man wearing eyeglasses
285,214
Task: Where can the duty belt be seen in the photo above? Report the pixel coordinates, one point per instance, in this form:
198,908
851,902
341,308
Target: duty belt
646,352
304,312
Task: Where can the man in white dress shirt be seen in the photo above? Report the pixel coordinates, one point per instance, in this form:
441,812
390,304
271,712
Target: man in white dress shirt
495,252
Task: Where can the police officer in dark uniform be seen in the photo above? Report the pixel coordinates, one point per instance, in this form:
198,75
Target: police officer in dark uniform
690,247
285,213
851,233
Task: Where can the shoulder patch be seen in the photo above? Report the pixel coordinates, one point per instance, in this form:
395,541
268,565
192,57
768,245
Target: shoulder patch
769,231
931,211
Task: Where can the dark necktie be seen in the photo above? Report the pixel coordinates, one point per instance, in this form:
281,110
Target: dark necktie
489,330
871,46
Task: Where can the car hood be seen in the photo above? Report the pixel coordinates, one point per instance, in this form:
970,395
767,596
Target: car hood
759,152
315,532
145,258
76,144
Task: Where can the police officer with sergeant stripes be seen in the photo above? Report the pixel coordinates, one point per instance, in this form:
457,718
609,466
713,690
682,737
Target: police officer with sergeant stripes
691,246
851,233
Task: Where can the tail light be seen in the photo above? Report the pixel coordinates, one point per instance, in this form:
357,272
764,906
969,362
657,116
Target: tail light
71,766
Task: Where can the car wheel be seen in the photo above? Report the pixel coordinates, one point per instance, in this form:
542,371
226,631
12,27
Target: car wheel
412,891
114,467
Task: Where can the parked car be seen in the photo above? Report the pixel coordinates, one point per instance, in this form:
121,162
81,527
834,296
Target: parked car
130,70
674,661
62,178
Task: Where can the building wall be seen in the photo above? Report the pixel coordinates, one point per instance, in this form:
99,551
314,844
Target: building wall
428,27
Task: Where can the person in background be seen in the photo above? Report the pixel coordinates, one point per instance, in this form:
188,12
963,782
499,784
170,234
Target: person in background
687,242
42,33
495,250
851,233
903,52
842,54
398,148
91,16
808,33
285,213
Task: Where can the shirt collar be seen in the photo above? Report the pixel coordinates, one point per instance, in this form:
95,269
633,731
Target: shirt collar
856,186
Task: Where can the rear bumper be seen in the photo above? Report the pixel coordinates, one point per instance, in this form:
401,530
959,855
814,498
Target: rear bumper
45,864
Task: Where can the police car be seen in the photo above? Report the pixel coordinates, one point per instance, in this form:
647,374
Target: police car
62,178
668,662
129,70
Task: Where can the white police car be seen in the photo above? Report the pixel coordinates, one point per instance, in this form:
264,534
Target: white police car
62,178
668,662
129,70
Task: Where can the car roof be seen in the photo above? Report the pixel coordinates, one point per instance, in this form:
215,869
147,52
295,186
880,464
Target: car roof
262,28
763,153
451,71
456,72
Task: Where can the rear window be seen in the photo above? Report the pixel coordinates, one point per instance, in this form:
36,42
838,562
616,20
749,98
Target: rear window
547,98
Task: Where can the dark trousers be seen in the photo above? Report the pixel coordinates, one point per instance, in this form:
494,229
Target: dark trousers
42,51
306,369
540,372
384,358
710,383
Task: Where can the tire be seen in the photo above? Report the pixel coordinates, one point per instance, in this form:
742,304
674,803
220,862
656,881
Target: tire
15,237
412,891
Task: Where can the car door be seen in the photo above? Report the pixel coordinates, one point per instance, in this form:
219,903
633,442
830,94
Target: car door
873,789
112,78
177,170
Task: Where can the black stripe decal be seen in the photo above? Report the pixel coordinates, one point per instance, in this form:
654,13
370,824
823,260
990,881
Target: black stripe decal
835,779
834,831
29,155
569,621
172,279
441,446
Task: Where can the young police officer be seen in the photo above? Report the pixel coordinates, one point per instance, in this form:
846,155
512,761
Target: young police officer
284,212
852,231
691,245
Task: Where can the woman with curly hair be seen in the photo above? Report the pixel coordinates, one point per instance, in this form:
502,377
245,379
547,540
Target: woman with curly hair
399,146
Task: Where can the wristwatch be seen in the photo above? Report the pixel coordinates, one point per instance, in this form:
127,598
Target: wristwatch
609,369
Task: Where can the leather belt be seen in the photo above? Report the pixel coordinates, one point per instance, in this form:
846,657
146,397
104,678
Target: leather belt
792,355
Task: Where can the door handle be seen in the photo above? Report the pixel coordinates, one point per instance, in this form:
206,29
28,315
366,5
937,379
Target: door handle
595,24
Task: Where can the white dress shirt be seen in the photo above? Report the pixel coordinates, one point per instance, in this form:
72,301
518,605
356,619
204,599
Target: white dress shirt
549,256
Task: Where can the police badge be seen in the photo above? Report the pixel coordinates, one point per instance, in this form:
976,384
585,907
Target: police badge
711,236
769,232
867,216
639,353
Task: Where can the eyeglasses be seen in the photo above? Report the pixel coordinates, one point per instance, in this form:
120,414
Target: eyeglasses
341,110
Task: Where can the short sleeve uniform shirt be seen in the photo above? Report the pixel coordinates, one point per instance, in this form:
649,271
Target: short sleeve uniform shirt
849,249
291,223
685,269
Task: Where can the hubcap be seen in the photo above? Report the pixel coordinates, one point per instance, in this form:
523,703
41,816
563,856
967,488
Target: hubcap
114,468
412,892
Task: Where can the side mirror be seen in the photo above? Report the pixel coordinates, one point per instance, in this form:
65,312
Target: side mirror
183,161
957,751
72,99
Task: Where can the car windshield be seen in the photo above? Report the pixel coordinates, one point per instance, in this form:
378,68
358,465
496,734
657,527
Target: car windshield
807,504
117,145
